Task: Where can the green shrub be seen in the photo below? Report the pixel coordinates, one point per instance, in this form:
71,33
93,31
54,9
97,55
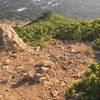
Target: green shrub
51,26
54,26
90,29
89,87
96,43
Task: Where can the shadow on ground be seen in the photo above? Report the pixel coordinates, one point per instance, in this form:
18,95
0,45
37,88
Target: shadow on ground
22,82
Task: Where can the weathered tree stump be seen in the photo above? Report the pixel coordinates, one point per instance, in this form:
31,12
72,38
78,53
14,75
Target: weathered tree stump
9,38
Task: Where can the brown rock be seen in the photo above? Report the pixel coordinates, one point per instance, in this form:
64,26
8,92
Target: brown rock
54,93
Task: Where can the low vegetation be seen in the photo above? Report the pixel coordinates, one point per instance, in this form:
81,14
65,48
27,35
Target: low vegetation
53,26
89,87
96,43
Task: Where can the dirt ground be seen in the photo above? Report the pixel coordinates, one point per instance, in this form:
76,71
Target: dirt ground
43,74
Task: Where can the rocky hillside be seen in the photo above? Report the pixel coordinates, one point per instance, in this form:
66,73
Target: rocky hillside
43,74
43,59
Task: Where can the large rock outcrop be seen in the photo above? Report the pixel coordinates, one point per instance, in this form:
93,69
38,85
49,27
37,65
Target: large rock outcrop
9,38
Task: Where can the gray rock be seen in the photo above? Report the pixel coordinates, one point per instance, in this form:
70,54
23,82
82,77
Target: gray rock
3,81
42,70
36,78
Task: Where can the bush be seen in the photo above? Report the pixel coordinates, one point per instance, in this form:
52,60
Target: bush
53,26
96,43
89,87
90,30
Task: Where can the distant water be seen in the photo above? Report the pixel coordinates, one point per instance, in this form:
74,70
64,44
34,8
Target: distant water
32,9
